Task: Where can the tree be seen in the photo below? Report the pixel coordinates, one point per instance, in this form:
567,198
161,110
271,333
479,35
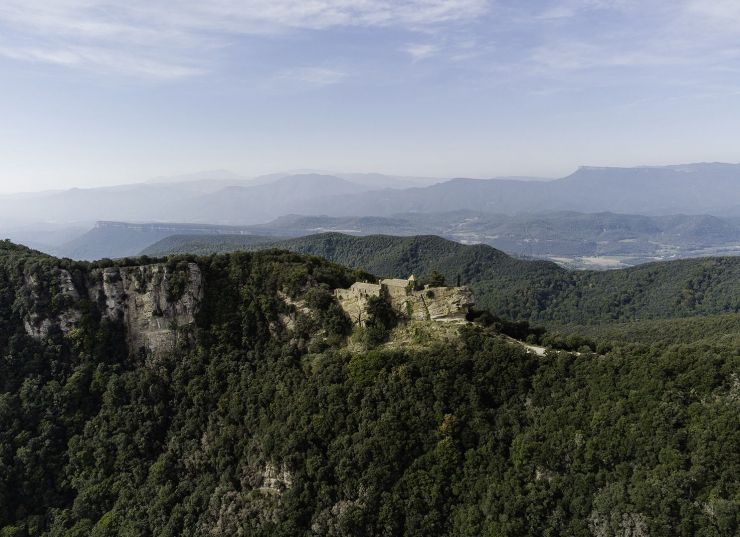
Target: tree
381,319
436,279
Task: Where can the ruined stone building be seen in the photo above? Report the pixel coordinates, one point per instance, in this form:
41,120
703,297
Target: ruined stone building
427,304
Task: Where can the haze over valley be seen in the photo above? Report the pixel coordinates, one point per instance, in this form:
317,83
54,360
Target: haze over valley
581,220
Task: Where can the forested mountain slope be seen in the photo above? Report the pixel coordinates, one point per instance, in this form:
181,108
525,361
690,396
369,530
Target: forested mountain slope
710,329
195,244
533,290
622,238
121,239
259,420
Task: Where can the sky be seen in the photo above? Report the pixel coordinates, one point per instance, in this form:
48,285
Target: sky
99,92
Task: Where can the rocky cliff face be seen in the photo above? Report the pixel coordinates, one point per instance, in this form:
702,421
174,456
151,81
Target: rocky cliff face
436,304
38,325
156,304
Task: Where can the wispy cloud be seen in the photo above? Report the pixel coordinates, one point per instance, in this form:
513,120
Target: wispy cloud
166,40
569,55
588,35
162,39
726,12
101,60
420,51
563,9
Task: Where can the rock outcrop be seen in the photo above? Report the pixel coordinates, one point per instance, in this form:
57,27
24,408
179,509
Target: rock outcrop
39,326
436,304
153,302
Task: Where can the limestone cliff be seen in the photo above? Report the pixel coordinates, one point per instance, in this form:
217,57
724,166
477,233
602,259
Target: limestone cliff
435,304
39,325
153,302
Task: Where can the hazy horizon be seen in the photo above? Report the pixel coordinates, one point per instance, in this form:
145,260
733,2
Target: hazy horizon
99,93
223,174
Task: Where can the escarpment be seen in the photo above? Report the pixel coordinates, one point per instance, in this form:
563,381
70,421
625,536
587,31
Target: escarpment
156,304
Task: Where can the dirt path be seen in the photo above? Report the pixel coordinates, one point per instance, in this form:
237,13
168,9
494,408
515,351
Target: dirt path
539,351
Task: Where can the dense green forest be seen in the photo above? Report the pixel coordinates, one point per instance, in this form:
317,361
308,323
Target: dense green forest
707,329
537,291
258,426
206,244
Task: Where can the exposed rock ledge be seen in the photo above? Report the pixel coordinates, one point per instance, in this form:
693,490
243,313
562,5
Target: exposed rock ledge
153,303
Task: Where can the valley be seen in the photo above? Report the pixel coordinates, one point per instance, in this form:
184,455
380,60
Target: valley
574,240
573,220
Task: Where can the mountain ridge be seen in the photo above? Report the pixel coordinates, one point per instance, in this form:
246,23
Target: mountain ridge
535,290
634,238
697,188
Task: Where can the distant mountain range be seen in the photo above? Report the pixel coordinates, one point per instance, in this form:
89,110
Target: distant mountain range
219,197
617,216
121,239
689,189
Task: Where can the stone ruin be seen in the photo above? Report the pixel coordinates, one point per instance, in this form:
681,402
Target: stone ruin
448,304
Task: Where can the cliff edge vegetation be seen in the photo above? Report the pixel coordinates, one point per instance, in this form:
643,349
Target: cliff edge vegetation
537,291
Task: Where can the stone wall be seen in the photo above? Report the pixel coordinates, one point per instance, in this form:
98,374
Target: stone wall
396,288
428,304
354,300
435,304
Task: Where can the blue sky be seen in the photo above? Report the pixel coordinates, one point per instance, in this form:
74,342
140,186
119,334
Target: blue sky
100,92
